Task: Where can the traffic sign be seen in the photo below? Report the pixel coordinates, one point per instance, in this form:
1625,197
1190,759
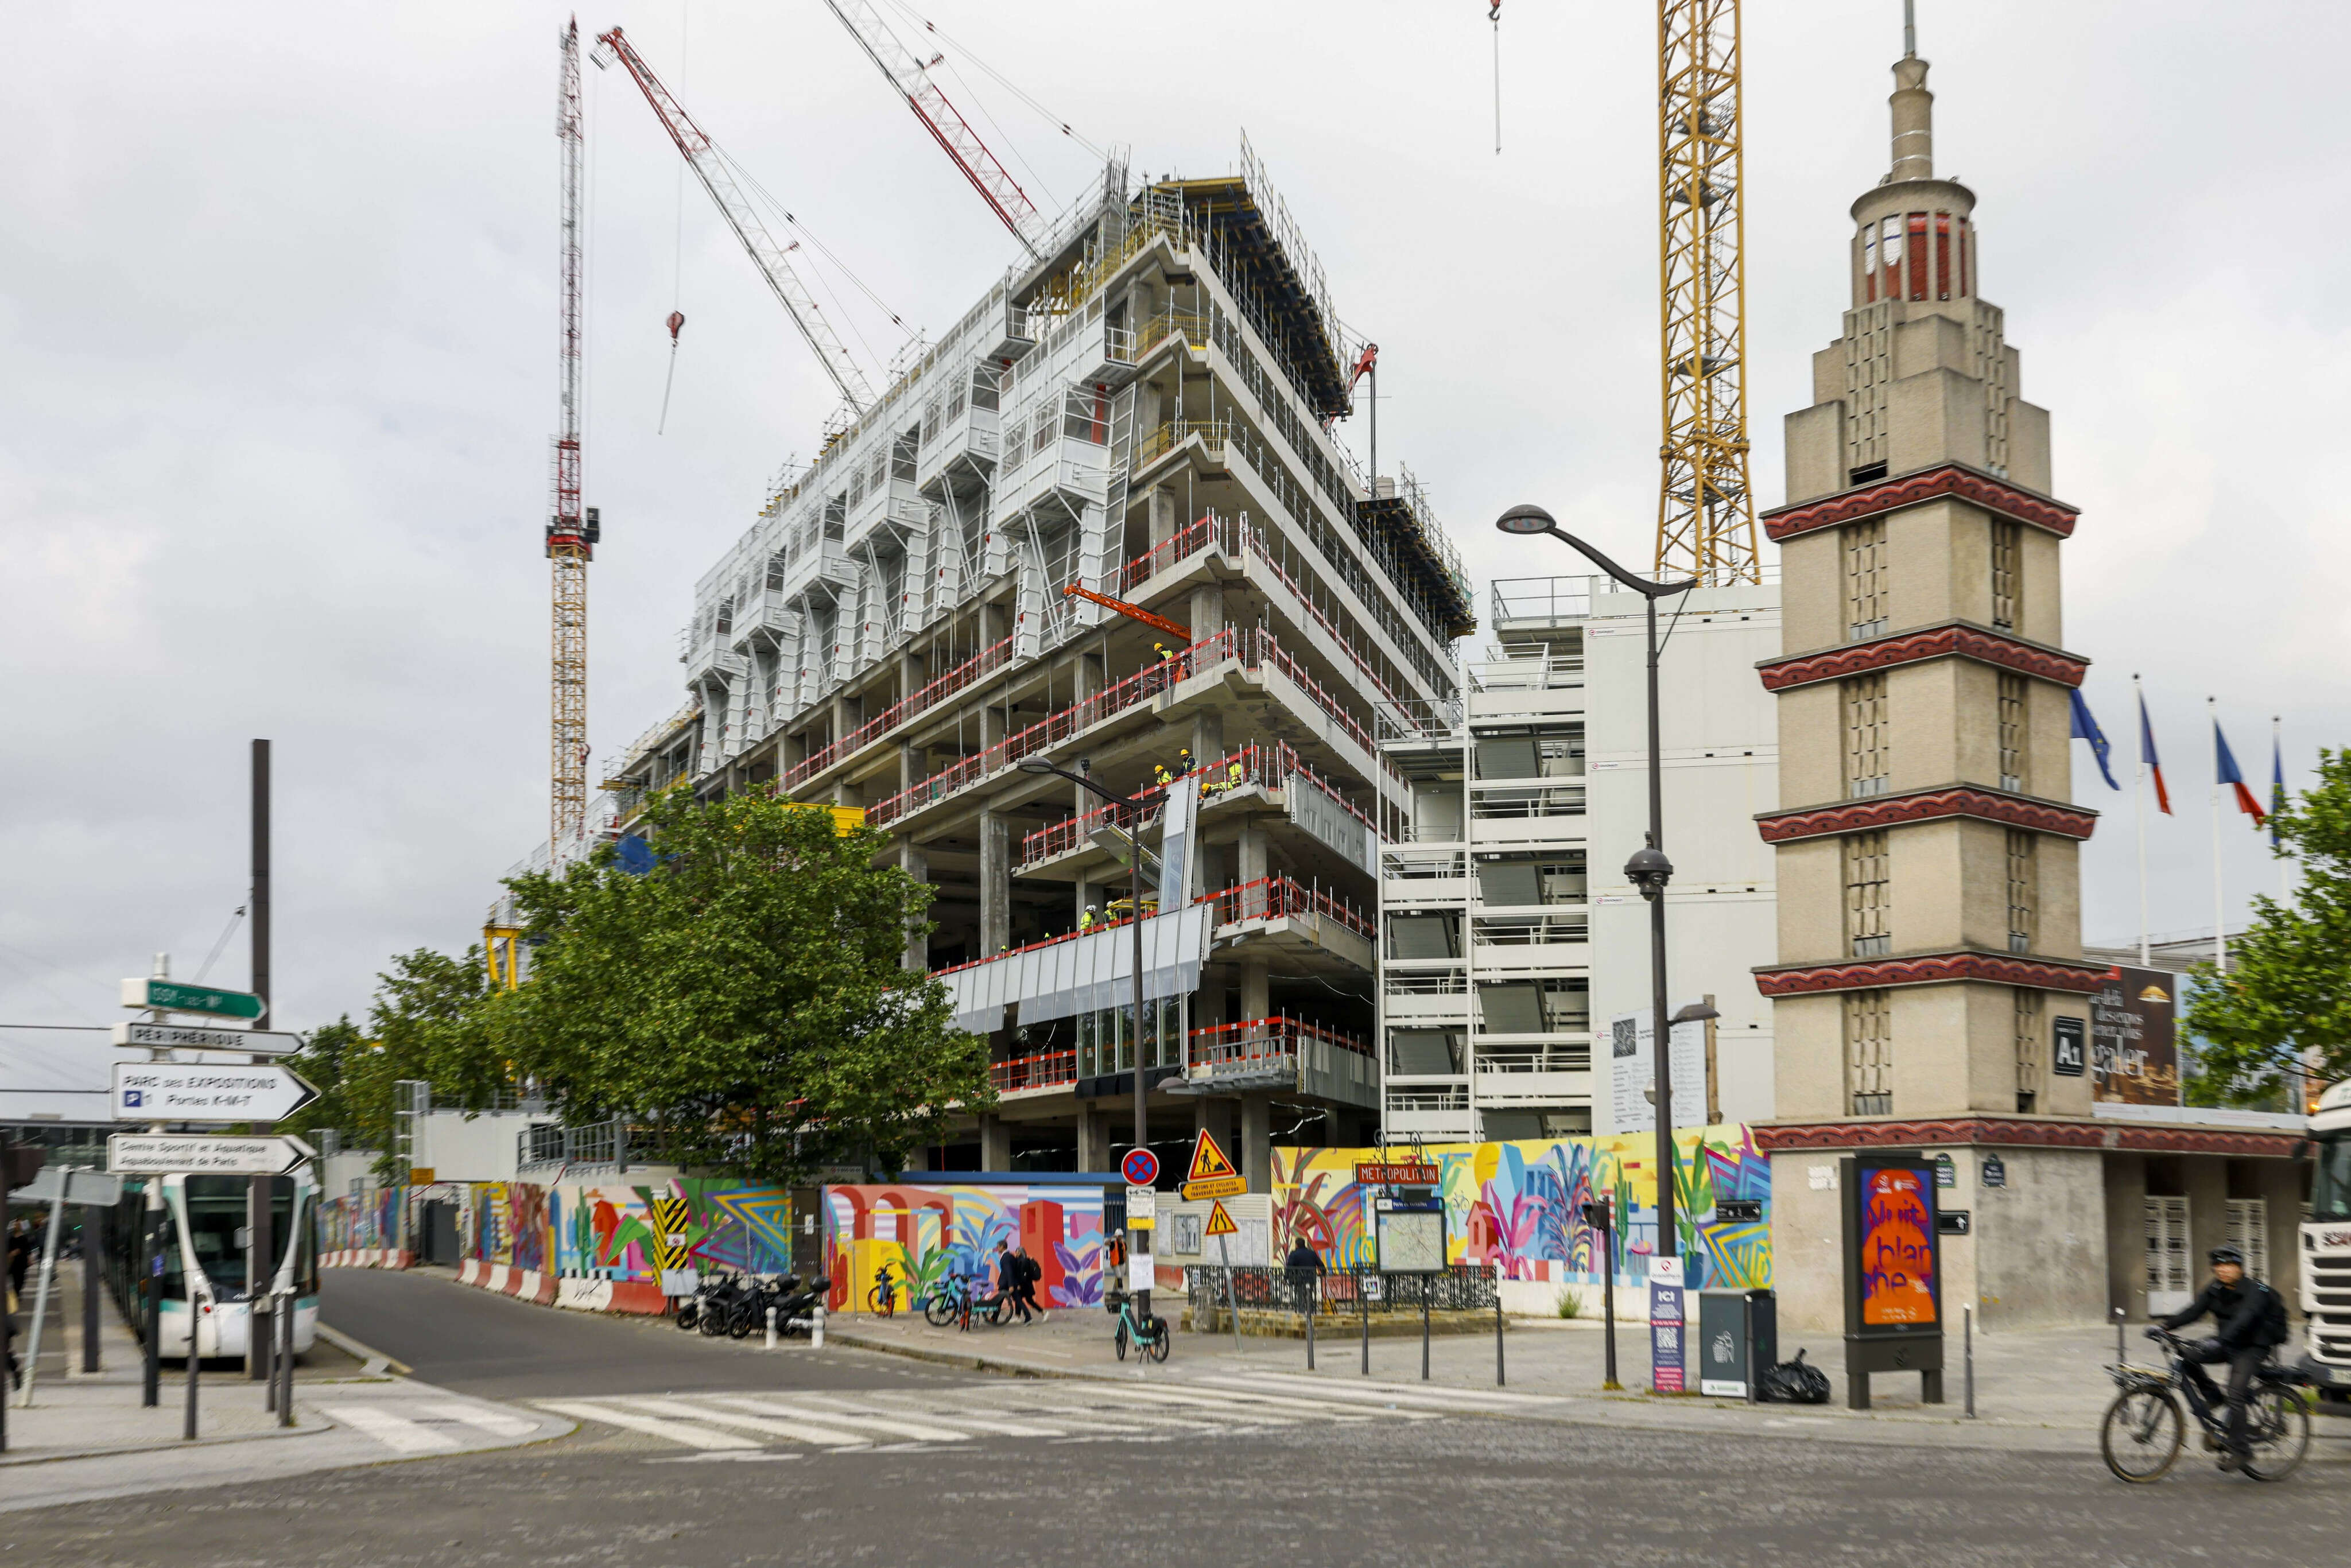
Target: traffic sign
177,1092
70,1185
1220,1223
1141,1168
191,1037
174,996
1397,1173
1141,1207
1212,1174
151,1153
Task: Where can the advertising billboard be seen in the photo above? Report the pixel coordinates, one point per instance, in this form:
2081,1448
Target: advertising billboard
2134,1047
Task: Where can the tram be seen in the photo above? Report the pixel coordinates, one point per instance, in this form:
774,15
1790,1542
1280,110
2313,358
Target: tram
193,1251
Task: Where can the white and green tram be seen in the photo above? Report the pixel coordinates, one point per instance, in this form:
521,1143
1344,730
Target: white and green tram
193,1251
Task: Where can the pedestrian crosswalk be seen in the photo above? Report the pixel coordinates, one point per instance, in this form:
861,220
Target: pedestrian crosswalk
426,1426
743,1425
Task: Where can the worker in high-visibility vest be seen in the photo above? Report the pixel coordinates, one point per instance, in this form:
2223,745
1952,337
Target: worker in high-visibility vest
1086,921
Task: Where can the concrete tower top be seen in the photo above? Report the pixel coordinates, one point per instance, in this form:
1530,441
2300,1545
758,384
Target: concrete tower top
1915,239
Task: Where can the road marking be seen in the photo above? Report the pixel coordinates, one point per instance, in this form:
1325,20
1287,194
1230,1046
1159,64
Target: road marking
977,1423
678,1432
917,1430
1461,1400
797,1431
1224,1402
397,1433
496,1422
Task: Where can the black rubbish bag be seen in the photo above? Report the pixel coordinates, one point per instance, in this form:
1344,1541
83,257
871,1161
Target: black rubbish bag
1793,1383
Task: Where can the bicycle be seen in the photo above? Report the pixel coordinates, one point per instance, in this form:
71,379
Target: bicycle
948,1301
882,1301
2143,1431
1150,1337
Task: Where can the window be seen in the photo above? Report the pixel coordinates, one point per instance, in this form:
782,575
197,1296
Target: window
2004,534
2011,732
985,380
776,570
1865,746
1865,581
1869,1053
2167,1253
836,517
1425,1053
1085,416
2248,1233
2023,889
1918,247
901,455
2029,1064
1867,924
726,621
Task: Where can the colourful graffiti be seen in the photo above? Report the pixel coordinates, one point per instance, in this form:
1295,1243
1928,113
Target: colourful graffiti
1521,1205
582,1231
925,1233
368,1219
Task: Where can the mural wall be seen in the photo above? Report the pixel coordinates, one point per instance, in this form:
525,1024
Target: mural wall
371,1220
924,1234
1520,1204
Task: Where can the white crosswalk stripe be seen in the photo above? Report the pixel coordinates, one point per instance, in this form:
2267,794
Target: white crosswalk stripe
990,1414
394,1431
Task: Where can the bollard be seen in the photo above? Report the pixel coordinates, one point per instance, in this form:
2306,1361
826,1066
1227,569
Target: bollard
1363,1302
816,1329
1968,1355
2121,1355
1498,1378
771,1328
285,1367
1423,1328
261,1354
90,1286
195,1363
1313,1306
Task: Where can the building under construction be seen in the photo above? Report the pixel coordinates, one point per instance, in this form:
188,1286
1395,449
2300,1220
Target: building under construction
1103,522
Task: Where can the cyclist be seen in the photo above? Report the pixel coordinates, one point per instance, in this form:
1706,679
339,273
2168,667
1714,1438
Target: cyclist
2249,1317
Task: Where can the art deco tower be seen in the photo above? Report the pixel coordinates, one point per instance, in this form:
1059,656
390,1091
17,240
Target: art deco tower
1930,993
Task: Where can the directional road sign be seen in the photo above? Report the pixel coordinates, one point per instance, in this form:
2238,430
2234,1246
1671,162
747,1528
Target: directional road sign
180,1092
174,997
1212,1174
1141,1167
189,1037
154,1154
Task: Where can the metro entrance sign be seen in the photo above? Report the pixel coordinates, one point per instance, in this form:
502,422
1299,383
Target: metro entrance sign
172,996
144,1153
1397,1173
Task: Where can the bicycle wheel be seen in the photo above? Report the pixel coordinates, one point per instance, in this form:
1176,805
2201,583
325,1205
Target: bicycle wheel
938,1309
2279,1424
882,1301
2141,1434
1159,1339
1120,1335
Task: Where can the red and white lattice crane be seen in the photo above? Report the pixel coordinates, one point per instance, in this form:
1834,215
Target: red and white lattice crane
702,155
571,529
912,77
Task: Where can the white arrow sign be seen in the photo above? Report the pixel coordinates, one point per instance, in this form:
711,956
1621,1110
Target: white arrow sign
180,1037
147,1154
181,1092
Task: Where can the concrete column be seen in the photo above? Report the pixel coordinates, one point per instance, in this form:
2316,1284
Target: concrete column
916,865
1093,1142
1255,1156
1084,894
1214,1117
994,883
1207,730
2206,1179
995,1143
911,770
1252,851
1257,988
911,674
918,1159
1163,500
1207,611
2126,1234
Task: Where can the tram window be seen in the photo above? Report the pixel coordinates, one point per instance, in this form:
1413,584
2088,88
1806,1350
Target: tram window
216,1216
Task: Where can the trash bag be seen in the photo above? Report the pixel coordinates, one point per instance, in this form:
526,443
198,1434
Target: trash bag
1793,1383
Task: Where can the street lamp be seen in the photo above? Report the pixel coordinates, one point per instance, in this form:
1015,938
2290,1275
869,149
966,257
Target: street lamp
1132,811
1648,868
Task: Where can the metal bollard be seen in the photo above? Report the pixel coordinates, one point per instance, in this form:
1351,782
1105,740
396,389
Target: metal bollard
2121,1355
1314,1307
771,1328
1968,1355
286,1362
816,1329
1499,1377
1423,1328
196,1365
1365,1304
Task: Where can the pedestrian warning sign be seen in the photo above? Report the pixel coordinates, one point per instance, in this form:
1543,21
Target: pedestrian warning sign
1212,1174
1220,1223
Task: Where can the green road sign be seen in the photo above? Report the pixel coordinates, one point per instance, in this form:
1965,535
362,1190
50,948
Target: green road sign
172,995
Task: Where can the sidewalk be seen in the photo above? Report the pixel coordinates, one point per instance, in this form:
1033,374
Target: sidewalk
89,1437
2041,1390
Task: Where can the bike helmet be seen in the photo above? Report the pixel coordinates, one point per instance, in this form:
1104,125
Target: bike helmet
2226,1255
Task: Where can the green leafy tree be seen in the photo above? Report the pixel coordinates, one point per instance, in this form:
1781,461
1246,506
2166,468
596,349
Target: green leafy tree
329,1054
744,998
2285,1003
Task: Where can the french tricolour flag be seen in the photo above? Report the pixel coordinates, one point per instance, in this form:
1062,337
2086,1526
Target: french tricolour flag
2147,756
2233,776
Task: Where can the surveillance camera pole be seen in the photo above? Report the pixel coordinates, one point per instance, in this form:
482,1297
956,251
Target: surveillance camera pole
1648,868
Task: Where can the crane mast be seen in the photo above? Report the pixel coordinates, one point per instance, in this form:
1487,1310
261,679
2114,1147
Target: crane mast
571,529
703,157
946,123
1705,516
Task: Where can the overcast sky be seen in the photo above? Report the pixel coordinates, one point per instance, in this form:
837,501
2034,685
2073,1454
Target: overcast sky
278,302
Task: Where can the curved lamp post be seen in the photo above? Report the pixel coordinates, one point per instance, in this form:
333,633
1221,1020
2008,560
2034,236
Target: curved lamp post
1648,868
1132,813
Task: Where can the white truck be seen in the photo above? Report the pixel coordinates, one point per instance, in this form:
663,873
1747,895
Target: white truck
2326,1247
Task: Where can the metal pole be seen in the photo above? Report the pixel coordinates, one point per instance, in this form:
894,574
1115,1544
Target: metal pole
260,1343
1608,1294
89,1288
1363,1308
1139,1241
2121,1355
41,1290
1667,1241
151,1292
261,1251
1968,1354
1423,1328
285,1359
1313,1306
7,1323
195,1365
1232,1305
1499,1379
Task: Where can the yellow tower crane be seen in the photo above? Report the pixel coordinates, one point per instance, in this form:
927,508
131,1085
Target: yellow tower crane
1705,518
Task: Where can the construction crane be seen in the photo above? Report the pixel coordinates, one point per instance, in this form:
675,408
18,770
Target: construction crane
912,78
571,529
1705,516
709,166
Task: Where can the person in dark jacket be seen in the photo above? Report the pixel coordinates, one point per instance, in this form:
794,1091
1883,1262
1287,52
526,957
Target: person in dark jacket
2249,1320
1306,1269
1031,1272
1011,1280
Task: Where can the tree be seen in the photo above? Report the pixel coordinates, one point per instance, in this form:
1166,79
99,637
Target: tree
428,1023
2285,1003
328,1055
745,998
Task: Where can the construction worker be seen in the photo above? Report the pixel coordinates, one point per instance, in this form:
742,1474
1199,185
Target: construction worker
1086,921
1183,762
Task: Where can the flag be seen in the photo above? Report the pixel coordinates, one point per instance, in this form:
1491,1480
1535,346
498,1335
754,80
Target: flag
2086,728
2230,775
2147,756
2277,781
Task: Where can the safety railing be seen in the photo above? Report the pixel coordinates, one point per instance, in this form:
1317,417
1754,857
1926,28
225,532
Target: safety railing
1268,765
980,664
1041,1070
1171,323
1459,1287
1160,440
1284,897
1211,532
1230,1049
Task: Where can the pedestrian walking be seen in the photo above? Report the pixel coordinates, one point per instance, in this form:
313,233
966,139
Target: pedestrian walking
1306,1271
1012,1276
1032,1273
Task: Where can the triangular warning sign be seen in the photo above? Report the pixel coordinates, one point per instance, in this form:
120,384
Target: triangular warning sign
1208,1161
1220,1223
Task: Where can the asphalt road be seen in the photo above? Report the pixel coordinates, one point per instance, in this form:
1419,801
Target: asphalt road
494,1347
1468,1489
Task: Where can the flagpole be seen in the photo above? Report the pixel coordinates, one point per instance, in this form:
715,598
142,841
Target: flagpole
2277,801
2138,803
2219,904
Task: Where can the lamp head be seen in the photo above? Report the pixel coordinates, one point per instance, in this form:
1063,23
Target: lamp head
1527,519
1035,765
1694,1012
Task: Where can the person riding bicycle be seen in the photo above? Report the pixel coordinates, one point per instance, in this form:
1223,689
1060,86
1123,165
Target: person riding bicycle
2250,1320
